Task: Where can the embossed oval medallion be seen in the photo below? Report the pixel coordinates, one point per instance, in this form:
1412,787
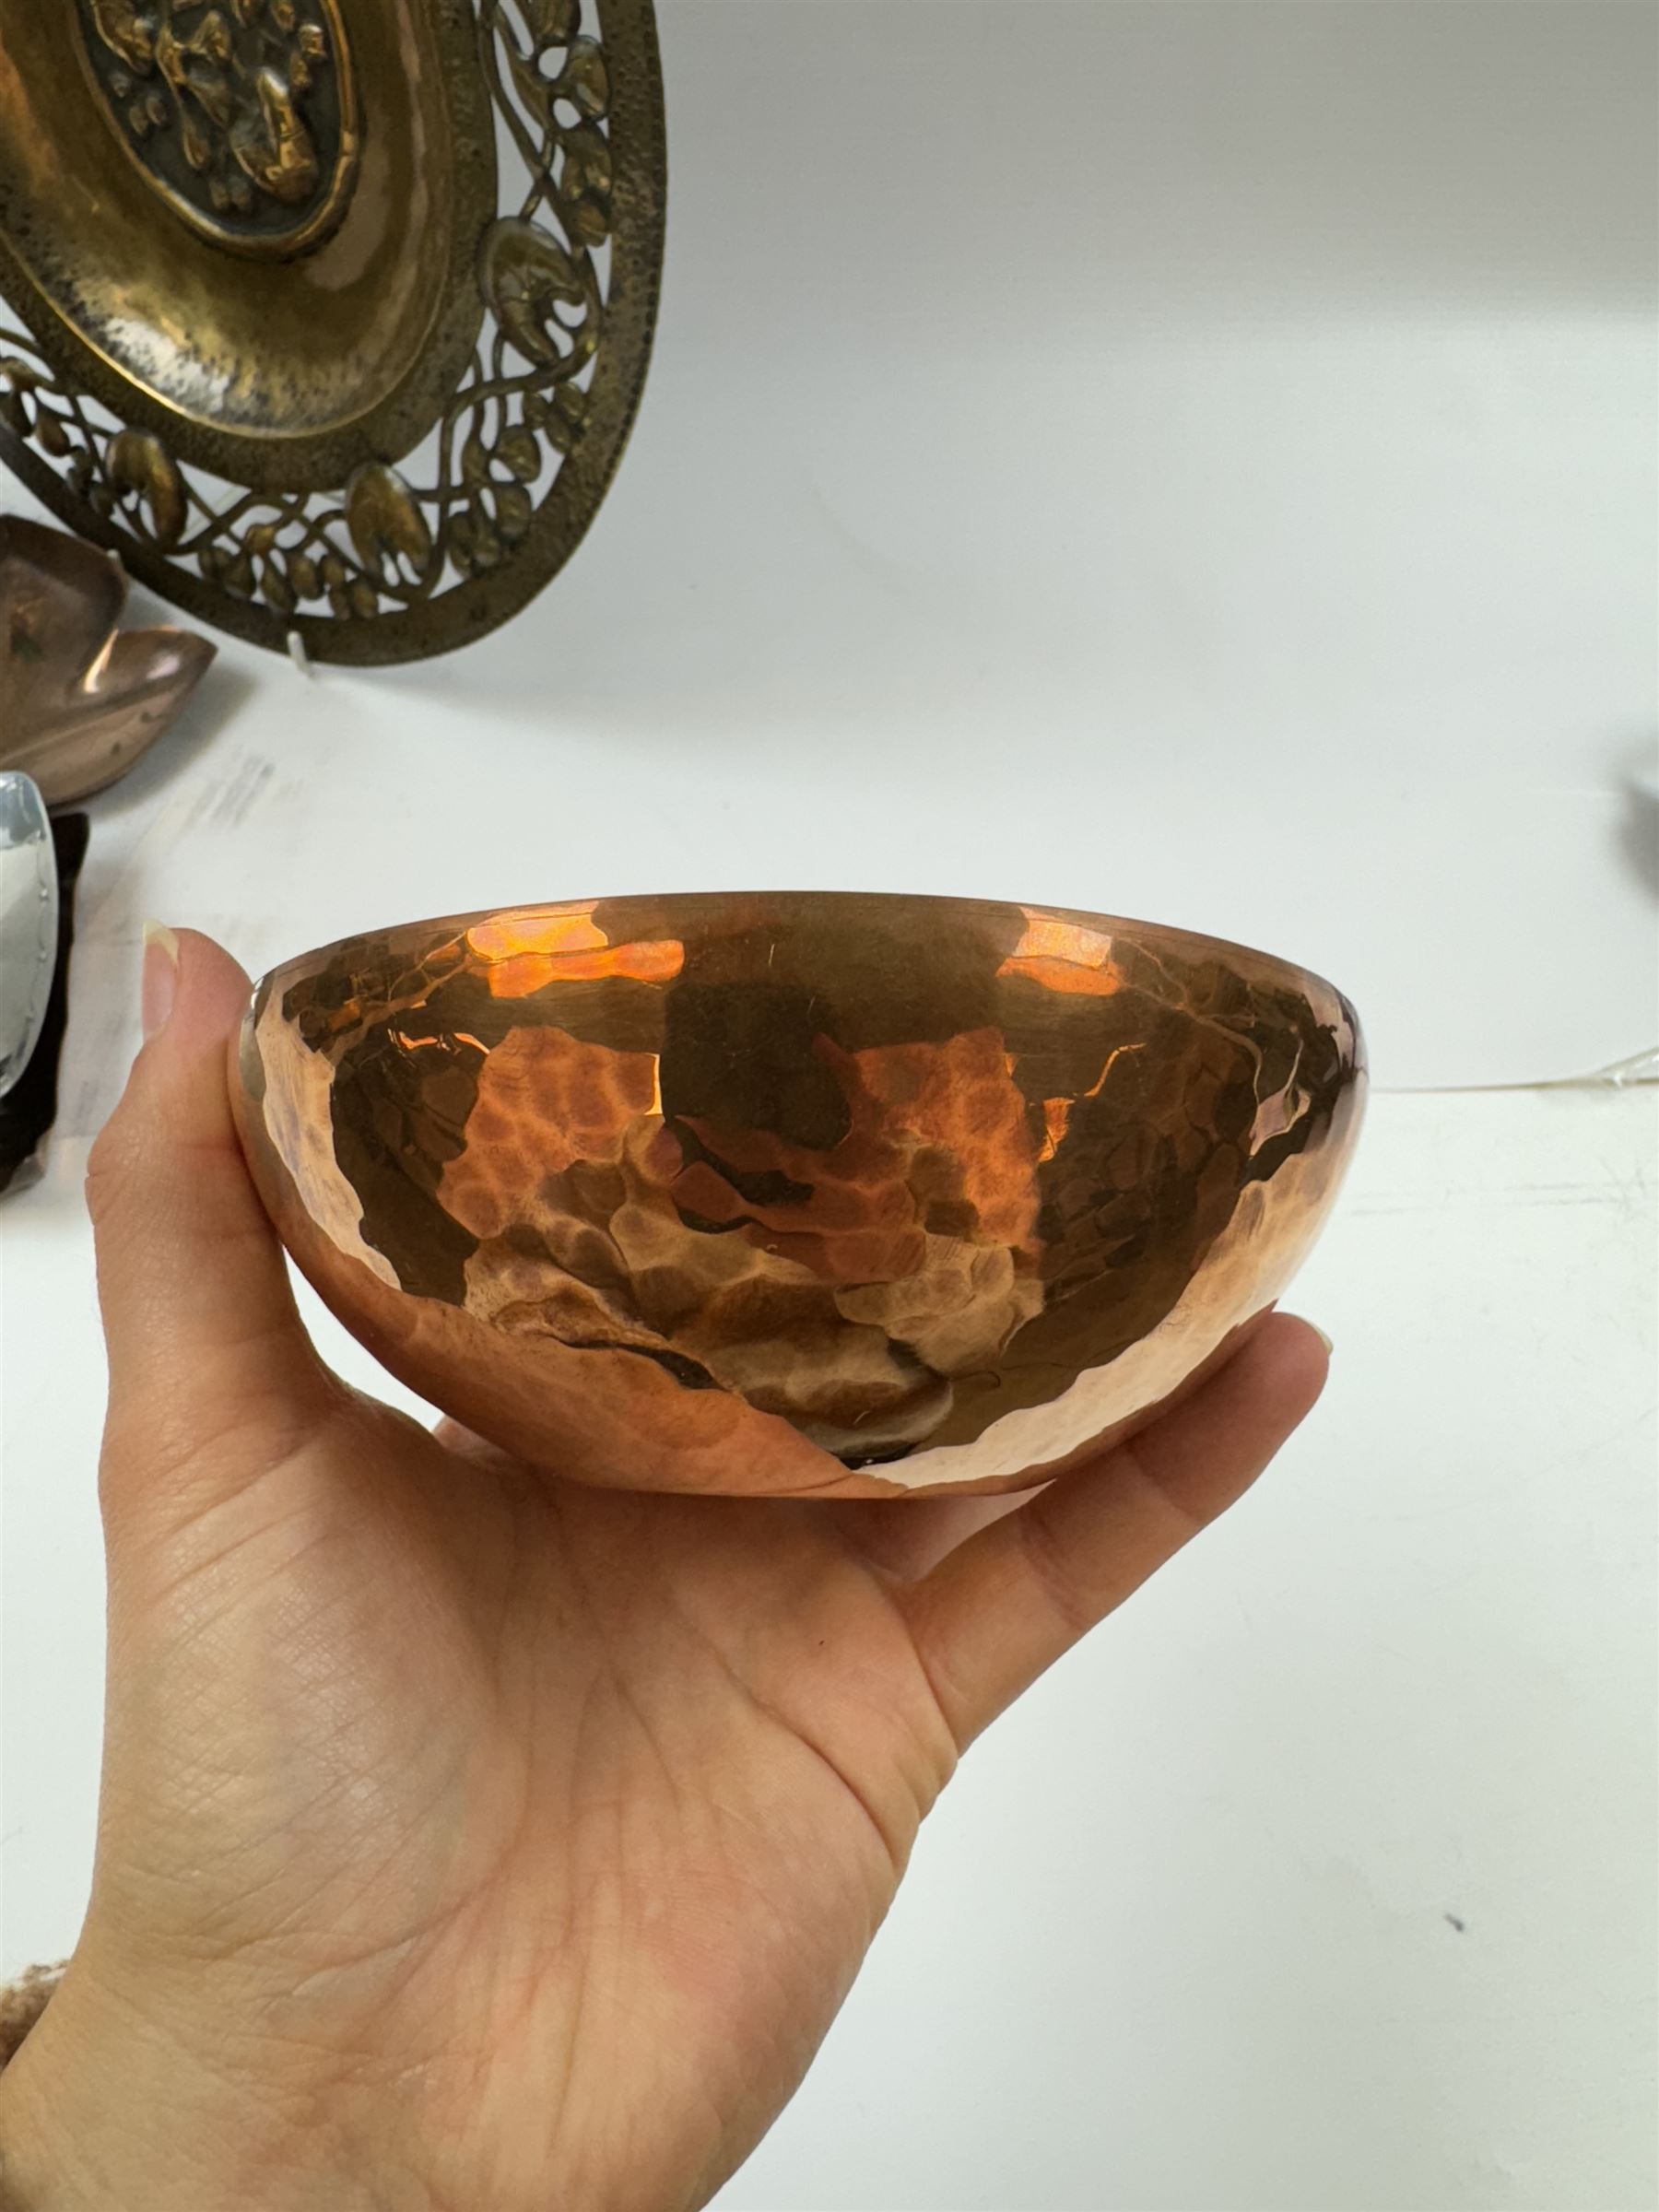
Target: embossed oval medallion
241,116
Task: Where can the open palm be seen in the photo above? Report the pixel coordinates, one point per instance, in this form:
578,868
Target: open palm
468,1837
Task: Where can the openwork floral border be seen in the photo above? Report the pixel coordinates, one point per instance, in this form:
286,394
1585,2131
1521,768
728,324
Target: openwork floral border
386,569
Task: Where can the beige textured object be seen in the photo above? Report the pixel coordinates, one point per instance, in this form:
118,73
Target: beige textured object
21,2003
80,700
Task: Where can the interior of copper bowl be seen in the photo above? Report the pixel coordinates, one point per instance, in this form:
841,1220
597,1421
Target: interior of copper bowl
892,1169
276,329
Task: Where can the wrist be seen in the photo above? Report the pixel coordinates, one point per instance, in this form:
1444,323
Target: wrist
103,2111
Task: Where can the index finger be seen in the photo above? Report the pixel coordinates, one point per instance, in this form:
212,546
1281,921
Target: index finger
1004,1606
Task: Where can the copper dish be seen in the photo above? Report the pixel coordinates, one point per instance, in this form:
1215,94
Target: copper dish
797,1191
80,700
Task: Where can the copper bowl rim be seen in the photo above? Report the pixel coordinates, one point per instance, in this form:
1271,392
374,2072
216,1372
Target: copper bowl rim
1295,974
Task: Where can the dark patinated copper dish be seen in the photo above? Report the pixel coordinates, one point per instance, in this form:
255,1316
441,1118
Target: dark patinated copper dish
797,1191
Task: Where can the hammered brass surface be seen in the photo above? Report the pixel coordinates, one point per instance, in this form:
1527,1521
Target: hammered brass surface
285,373
330,316
797,1191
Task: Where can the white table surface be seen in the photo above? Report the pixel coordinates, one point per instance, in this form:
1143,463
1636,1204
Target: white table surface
1322,1876
1298,585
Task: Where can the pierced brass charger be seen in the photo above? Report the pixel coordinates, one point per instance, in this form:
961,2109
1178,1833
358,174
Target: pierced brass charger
797,1191
331,316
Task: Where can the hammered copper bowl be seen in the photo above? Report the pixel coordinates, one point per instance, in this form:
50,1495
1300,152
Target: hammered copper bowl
797,1191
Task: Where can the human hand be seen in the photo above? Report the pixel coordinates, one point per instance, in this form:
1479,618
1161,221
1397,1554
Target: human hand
469,1839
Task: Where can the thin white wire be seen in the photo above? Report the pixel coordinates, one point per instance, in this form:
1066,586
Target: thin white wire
1621,1075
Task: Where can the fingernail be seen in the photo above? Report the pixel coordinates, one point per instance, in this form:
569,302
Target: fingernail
160,976
1323,1339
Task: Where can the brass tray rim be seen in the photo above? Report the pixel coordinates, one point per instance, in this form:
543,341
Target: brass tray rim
386,427
459,611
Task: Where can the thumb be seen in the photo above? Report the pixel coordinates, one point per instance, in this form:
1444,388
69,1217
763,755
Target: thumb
204,1342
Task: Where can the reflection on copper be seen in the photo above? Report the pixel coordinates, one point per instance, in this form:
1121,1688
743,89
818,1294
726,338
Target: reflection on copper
1063,956
797,1191
524,951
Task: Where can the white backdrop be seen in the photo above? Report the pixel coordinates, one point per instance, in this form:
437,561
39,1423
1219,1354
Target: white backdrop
1187,460
1194,460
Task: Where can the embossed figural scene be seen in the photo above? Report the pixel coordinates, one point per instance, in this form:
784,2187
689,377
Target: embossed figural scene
242,117
330,317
